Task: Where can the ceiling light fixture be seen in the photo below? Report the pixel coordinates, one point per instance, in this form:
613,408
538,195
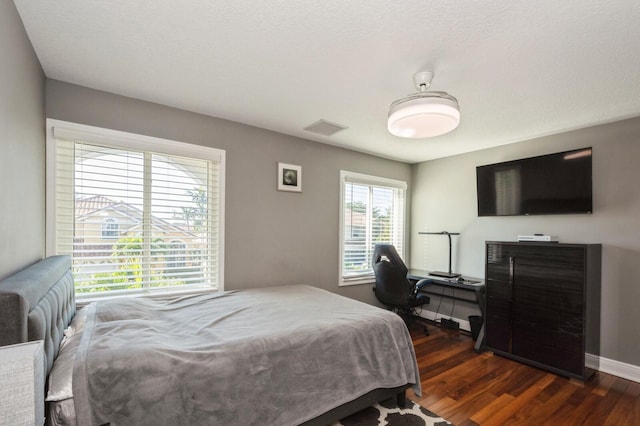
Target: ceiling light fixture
423,114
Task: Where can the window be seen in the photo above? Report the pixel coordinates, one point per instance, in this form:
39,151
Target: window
137,214
372,210
110,229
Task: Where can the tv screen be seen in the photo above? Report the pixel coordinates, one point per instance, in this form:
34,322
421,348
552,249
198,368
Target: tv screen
549,184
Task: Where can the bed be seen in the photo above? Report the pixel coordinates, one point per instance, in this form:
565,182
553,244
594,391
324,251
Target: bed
284,355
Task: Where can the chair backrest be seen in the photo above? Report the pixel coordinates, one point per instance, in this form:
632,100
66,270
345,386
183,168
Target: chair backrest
392,286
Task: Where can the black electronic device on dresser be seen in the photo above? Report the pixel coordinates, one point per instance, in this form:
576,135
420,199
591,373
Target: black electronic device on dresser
543,304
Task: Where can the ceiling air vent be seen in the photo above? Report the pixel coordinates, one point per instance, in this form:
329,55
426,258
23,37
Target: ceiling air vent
324,128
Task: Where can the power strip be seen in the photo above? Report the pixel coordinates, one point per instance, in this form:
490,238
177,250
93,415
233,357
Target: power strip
450,324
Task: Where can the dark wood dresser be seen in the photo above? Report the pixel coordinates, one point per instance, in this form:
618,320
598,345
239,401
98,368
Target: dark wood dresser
543,304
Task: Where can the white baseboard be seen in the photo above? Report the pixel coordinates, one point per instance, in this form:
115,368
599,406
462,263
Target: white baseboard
609,366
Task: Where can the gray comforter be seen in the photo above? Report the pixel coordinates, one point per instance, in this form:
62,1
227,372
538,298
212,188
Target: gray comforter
272,356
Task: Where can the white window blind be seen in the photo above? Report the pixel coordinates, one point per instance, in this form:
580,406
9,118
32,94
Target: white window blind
137,214
372,211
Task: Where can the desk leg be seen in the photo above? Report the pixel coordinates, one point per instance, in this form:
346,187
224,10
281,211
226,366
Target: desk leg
479,346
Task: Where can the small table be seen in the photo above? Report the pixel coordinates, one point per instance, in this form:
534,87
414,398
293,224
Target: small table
465,283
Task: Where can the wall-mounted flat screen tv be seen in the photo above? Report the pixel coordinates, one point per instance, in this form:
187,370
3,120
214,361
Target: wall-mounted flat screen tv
548,184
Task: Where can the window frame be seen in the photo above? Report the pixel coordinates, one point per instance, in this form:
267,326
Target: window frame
58,129
347,176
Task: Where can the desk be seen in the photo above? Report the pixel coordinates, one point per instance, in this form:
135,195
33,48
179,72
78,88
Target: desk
468,284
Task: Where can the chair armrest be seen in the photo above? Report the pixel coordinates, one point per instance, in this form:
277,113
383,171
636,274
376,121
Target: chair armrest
419,285
423,283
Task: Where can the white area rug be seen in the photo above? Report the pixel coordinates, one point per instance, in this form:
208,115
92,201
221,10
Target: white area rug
388,414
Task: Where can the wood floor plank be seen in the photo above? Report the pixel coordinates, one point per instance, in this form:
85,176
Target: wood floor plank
604,384
552,401
483,415
442,406
623,411
464,408
472,389
602,410
511,409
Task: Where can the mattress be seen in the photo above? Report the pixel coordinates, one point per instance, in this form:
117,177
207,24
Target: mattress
278,355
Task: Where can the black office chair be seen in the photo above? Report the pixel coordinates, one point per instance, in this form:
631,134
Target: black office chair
393,288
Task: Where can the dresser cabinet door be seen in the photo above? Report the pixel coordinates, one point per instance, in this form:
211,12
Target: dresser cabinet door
499,294
548,306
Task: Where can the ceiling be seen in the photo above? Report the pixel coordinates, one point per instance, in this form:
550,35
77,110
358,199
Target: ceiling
519,69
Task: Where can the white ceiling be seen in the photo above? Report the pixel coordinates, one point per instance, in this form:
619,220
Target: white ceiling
519,68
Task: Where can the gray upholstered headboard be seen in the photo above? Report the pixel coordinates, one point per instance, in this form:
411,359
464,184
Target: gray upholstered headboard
38,303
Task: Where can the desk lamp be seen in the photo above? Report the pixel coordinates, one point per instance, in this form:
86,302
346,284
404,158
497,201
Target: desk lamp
441,273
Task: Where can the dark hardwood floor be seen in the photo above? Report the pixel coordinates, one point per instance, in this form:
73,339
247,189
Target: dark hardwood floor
468,388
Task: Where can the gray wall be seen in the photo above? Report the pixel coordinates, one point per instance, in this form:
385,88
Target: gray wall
272,237
21,146
444,198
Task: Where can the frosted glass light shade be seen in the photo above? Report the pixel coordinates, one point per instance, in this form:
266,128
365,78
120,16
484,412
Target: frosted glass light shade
424,115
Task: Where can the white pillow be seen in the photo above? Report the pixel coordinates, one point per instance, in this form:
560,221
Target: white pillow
60,377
